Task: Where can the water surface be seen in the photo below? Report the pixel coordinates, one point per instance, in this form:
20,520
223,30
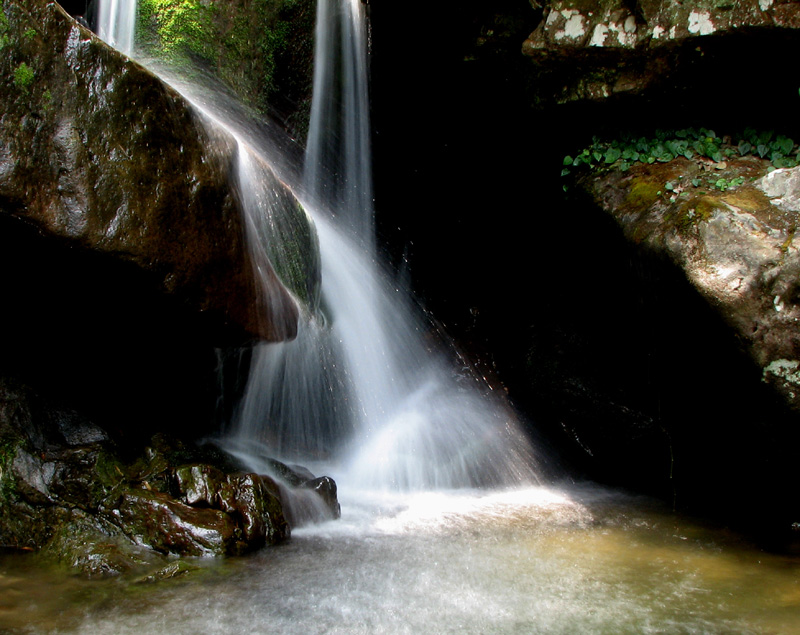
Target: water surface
539,560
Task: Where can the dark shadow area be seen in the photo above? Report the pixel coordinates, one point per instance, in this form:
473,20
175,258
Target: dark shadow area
89,331
617,363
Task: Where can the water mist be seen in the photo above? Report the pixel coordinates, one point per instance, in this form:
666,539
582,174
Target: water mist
368,384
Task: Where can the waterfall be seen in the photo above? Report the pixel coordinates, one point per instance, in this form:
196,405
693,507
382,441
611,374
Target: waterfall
368,385
338,166
116,23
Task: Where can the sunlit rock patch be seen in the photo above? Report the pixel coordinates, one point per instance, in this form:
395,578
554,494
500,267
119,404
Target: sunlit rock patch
730,225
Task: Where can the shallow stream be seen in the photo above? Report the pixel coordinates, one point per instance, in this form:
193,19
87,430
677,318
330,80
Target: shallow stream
539,560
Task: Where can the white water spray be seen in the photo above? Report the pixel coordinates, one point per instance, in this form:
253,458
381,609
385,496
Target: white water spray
368,385
116,22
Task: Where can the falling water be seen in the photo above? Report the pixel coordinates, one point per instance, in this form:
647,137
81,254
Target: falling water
533,560
368,383
116,21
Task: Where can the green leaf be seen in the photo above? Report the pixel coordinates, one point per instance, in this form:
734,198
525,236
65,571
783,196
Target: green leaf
567,160
745,147
765,136
612,155
784,144
565,172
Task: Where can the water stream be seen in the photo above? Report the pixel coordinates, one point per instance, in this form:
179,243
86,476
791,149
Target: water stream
446,524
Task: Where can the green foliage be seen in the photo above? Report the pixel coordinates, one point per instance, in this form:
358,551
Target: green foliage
23,76
241,42
689,143
182,27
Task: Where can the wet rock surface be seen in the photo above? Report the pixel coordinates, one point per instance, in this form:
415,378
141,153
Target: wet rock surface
98,152
78,500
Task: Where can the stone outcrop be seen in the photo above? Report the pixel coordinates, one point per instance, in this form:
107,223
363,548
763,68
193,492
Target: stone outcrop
597,49
731,228
67,490
97,151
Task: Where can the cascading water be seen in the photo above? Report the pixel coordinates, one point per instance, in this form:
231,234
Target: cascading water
533,560
367,383
116,21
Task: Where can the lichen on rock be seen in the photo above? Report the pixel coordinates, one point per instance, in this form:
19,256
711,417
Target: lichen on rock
592,49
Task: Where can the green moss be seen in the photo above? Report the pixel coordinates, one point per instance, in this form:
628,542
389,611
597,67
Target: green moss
642,195
245,44
23,77
8,450
178,28
695,211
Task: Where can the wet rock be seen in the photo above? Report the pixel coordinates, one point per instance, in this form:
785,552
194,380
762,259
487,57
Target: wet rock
155,520
306,497
96,151
325,488
90,510
252,499
170,572
95,548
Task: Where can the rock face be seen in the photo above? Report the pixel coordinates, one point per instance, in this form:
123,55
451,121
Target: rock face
694,374
737,247
97,151
596,49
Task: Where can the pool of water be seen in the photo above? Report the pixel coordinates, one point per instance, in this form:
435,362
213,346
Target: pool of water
539,560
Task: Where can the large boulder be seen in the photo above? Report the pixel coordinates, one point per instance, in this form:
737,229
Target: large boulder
97,151
682,381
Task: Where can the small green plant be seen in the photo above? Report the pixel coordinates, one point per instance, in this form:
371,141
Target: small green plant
690,143
23,76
